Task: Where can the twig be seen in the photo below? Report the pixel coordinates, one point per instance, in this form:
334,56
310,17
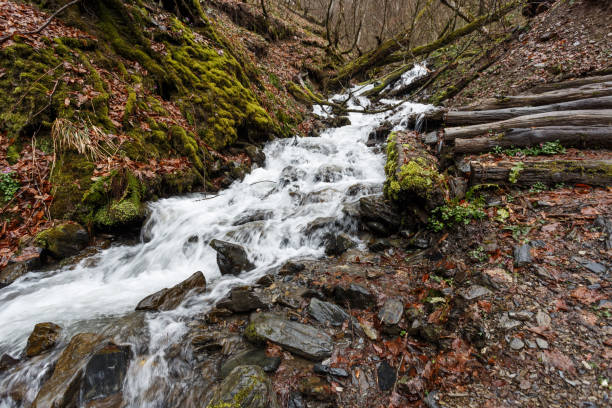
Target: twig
39,29
33,83
397,372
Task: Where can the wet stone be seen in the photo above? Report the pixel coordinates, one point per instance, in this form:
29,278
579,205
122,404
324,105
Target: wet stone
105,372
325,312
63,240
327,370
241,300
257,215
354,295
43,338
246,386
522,255
336,245
256,357
300,339
169,299
386,376
296,401
315,388
7,361
291,268
231,258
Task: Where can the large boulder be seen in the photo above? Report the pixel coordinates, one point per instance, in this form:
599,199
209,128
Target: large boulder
300,339
246,386
171,298
354,295
240,300
379,212
43,338
231,258
91,368
337,244
29,258
63,240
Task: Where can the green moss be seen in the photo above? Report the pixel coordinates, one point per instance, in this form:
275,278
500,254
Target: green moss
70,178
12,154
186,144
125,211
130,107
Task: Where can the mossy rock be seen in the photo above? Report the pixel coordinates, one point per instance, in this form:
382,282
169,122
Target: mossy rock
246,386
63,240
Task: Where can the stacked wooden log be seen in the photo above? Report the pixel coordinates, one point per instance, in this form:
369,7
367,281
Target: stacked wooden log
575,113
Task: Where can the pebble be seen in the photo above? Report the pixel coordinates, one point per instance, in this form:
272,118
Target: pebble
474,292
542,319
522,315
516,344
506,323
543,344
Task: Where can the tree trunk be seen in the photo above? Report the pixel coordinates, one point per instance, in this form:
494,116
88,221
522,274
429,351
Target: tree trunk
568,136
549,172
564,118
574,83
546,98
463,118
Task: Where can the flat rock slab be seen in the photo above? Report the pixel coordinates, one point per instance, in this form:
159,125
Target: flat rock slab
171,298
300,339
522,255
246,386
325,312
474,292
256,357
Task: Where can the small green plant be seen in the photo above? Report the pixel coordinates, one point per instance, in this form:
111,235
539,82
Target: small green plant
452,214
560,186
502,215
8,186
537,187
515,172
478,254
518,231
547,149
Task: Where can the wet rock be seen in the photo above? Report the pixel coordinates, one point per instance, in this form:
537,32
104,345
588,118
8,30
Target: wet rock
379,245
296,401
376,209
516,344
327,370
291,268
522,255
265,281
362,189
419,243
354,295
351,210
256,155
315,388
250,357
257,215
231,258
300,339
43,338
328,174
377,228
11,273
246,386
386,376
605,224
62,388
63,240
474,292
506,323
168,299
390,315
379,135
105,372
321,196
320,224
410,386
327,313
7,361
591,266
337,244
458,187
290,175
241,300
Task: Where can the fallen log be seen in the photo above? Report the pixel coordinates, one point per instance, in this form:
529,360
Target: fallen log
549,172
572,83
463,118
601,117
568,136
546,98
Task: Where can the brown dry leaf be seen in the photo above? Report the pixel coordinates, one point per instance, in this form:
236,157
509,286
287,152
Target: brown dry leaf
560,361
586,296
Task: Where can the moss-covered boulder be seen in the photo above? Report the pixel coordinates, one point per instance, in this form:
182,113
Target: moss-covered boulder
43,337
246,386
63,240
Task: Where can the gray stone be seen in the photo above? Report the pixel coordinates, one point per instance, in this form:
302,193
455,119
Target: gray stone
336,245
11,273
522,315
105,372
325,312
506,323
522,255
355,295
241,299
474,292
168,299
257,215
390,315
256,357
542,319
516,344
256,155
543,344
327,370
328,174
231,258
246,386
300,339
386,376
374,208
291,268
63,240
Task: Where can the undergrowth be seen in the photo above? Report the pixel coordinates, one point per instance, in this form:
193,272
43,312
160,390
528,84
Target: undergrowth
544,149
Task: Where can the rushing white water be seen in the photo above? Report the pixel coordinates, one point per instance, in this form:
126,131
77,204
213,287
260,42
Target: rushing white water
302,179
